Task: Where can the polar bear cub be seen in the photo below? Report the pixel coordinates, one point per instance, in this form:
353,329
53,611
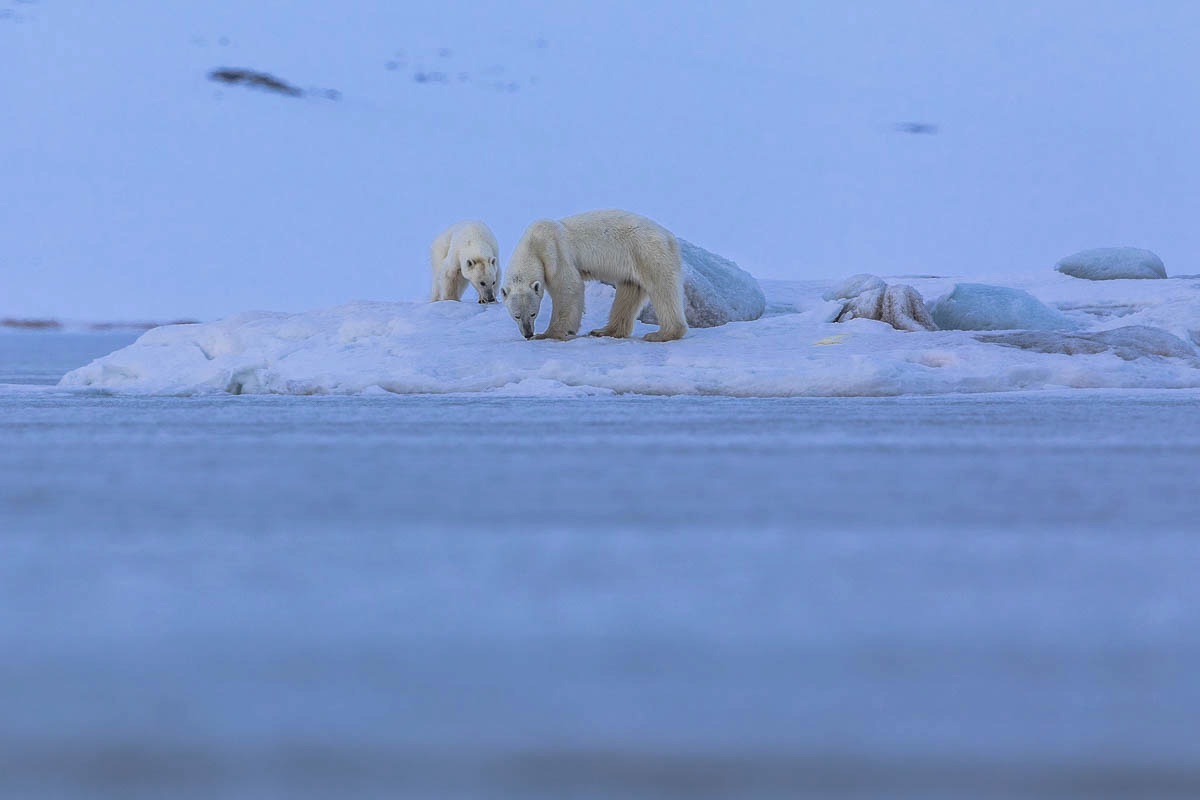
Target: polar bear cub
635,254
465,253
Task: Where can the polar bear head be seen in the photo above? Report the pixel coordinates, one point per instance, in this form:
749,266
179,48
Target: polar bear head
484,273
523,299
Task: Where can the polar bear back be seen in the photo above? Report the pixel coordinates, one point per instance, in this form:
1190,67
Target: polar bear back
613,245
471,238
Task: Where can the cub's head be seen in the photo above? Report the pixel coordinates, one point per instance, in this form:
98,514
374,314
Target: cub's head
523,299
484,274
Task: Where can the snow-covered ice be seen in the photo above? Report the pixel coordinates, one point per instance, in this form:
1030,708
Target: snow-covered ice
1113,263
854,286
1129,343
716,290
796,350
869,297
980,307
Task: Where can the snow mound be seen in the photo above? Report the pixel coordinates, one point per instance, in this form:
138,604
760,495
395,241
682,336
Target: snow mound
1128,343
716,290
449,347
854,286
979,307
1112,263
900,306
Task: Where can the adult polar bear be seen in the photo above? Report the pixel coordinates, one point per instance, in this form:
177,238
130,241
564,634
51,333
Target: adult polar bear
636,255
466,252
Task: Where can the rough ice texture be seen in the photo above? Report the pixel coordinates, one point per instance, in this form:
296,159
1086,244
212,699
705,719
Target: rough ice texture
979,307
716,290
1112,263
854,286
1130,334
900,306
1128,343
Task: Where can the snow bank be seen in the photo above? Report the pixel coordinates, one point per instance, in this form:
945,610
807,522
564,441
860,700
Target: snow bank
979,307
1121,341
716,290
1112,263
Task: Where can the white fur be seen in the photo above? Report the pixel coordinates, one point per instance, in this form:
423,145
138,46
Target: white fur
466,252
636,255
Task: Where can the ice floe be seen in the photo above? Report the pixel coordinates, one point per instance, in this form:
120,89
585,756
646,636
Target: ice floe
1117,334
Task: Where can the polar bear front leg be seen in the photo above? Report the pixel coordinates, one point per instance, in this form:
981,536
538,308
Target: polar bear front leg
449,283
444,287
567,314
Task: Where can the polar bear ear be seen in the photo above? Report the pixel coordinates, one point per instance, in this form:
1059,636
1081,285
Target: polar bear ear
536,286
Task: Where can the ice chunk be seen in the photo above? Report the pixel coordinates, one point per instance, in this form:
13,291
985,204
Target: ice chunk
979,307
1111,263
1128,343
716,290
854,286
900,306
868,305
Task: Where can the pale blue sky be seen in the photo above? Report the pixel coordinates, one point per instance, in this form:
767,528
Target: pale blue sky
764,131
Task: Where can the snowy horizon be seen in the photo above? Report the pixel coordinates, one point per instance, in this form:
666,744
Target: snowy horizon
804,142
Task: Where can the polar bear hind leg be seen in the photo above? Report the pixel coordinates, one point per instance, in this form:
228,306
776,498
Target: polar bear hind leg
666,293
626,305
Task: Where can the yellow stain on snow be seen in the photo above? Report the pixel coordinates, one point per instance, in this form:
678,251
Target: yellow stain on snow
830,340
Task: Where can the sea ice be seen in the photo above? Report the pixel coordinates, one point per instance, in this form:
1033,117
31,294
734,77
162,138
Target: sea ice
1128,335
1111,263
716,290
979,307
1128,343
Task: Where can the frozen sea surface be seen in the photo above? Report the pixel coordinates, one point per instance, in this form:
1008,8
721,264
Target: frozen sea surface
449,596
795,350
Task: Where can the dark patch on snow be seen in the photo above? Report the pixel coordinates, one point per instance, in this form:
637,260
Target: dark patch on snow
257,80
31,324
917,128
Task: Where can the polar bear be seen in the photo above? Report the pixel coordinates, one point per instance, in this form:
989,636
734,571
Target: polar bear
636,255
465,253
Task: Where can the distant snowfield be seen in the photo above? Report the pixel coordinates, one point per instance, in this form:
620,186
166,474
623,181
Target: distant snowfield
450,347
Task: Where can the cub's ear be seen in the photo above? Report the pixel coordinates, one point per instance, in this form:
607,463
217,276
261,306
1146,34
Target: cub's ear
536,286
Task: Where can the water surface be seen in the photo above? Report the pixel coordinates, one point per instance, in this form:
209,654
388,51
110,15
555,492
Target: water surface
984,596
